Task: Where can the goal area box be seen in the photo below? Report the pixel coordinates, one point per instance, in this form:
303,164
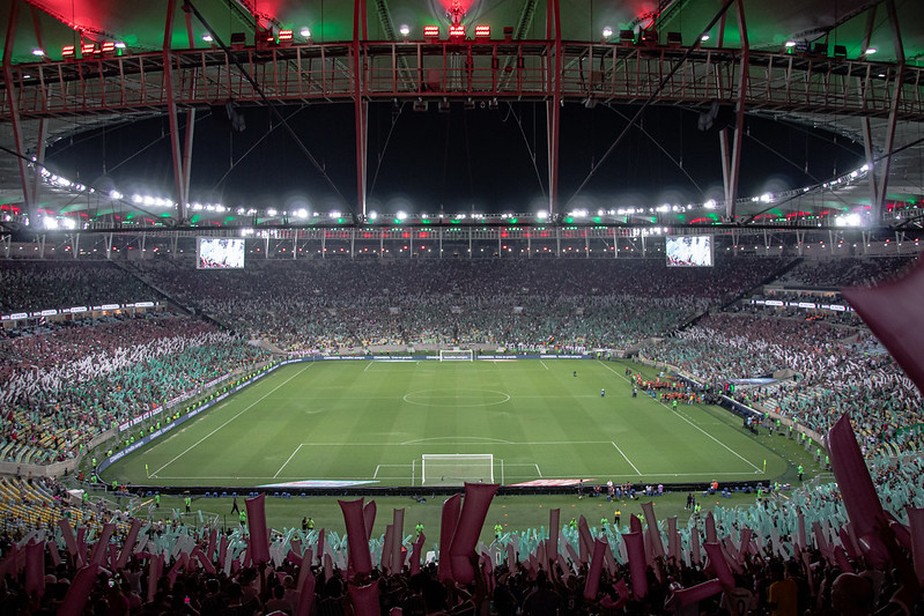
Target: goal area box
438,469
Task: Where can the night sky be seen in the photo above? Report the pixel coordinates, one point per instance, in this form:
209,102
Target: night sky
478,159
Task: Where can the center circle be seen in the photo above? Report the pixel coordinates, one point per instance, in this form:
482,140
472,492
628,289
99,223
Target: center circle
466,399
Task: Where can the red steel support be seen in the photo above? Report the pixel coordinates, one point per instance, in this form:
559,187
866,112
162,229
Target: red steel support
734,165
360,106
12,96
180,182
553,103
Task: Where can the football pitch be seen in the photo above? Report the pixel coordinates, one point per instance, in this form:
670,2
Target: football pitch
372,423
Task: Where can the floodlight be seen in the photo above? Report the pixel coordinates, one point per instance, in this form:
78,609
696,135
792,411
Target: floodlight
38,53
607,32
405,30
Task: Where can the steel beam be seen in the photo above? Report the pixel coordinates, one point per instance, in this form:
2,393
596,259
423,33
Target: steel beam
12,98
734,165
360,107
179,180
554,102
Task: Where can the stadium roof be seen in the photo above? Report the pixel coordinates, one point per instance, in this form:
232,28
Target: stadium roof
823,32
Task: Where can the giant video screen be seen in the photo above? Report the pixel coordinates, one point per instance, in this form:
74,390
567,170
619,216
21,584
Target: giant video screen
689,251
219,253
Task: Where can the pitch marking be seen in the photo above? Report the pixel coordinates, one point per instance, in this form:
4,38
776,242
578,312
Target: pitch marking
284,464
622,453
736,454
247,408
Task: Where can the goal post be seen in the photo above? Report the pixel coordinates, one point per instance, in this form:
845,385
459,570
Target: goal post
457,355
454,469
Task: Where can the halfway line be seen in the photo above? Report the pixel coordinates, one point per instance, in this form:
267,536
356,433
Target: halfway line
250,406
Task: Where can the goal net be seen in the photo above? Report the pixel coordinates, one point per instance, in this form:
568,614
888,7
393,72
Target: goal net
457,355
454,469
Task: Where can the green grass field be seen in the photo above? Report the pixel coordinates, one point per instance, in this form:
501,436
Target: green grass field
373,421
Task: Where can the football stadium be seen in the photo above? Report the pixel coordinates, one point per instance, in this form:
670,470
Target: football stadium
461,307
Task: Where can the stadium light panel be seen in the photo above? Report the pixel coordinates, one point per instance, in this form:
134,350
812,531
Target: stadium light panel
431,32
457,32
68,52
108,47
482,31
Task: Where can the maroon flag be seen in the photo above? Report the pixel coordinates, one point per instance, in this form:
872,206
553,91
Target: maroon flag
635,549
448,522
102,544
321,545
357,540
857,490
417,553
369,517
673,539
711,536
53,552
155,570
916,523
695,594
397,560
696,554
129,544
79,591
387,551
554,532
892,310
70,541
256,523
213,541
803,540
478,497
365,599
718,564
35,569
82,544
306,595
592,584
586,540
654,535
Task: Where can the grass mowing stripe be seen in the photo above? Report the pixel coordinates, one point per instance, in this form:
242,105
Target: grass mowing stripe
247,408
738,455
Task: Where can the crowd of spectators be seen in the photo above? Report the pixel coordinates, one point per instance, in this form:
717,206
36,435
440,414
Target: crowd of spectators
835,274
61,388
205,571
338,306
41,285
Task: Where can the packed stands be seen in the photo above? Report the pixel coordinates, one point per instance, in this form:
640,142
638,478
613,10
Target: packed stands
61,388
336,305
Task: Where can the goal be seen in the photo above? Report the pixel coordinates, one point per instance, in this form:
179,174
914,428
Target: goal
454,469
457,355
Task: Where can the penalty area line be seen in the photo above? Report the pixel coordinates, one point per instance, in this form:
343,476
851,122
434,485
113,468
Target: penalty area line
247,408
289,459
622,453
